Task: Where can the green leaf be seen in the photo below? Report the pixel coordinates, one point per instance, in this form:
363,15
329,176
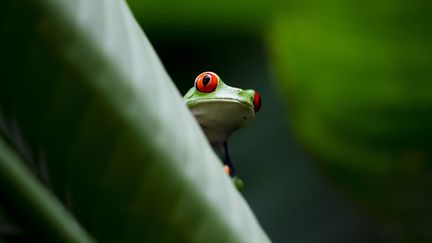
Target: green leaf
108,130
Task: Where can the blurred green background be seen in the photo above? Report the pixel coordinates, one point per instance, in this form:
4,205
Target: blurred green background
341,149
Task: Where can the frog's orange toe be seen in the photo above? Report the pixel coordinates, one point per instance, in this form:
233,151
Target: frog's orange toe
227,170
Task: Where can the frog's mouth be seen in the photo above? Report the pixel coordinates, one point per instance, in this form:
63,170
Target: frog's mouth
191,104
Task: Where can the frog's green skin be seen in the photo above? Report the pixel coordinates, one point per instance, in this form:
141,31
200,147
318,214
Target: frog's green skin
220,113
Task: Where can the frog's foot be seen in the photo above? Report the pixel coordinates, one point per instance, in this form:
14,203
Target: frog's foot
238,183
227,170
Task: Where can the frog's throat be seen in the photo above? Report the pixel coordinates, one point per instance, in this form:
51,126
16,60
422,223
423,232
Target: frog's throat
220,119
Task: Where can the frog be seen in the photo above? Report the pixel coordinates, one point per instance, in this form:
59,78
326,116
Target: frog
220,111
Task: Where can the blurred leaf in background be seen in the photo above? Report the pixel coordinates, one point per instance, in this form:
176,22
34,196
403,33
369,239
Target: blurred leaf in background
356,77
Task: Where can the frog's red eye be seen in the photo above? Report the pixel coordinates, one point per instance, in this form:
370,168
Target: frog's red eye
256,101
206,82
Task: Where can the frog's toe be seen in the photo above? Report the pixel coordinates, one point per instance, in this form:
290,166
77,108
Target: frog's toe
227,170
238,183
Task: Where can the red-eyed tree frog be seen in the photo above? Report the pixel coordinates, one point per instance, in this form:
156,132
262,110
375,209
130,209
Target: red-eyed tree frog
220,110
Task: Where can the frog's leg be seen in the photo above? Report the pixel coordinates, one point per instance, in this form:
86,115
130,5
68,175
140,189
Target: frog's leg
227,161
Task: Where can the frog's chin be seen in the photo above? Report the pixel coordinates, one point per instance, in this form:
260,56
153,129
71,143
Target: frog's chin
220,118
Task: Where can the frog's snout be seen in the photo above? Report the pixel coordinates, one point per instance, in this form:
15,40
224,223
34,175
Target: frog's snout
250,92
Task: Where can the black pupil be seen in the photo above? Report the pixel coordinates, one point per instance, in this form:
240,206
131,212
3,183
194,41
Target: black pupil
206,80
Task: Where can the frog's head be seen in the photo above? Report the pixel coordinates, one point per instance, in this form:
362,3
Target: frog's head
221,109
